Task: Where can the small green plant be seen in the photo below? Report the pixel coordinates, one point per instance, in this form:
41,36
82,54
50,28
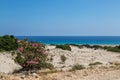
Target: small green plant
86,45
77,67
63,58
64,47
8,43
77,45
114,49
48,65
97,47
96,63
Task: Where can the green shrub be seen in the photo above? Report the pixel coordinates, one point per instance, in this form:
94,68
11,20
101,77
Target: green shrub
92,46
114,49
64,47
77,67
86,45
96,63
48,65
75,45
8,43
97,47
63,58
32,55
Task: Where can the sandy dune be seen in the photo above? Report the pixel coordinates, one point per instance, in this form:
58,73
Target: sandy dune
83,56
108,70
7,64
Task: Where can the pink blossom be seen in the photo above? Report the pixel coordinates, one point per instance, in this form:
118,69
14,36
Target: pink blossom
34,44
32,62
40,46
46,52
36,59
20,49
38,50
19,41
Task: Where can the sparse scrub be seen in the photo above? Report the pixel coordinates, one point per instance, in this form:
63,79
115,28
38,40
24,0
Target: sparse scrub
77,67
63,58
96,63
64,47
87,45
114,49
92,46
97,47
75,45
108,48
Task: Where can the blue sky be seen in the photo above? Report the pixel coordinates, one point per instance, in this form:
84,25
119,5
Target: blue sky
60,17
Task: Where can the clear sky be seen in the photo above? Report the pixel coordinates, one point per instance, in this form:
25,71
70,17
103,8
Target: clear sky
60,17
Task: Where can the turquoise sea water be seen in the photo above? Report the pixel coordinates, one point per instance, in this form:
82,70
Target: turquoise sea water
110,40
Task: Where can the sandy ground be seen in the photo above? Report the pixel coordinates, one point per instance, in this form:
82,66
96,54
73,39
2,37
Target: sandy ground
83,56
108,70
7,64
86,74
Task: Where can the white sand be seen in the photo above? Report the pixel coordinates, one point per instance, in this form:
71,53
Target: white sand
83,56
7,64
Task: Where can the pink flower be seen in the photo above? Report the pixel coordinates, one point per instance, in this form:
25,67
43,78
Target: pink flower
36,59
46,52
20,49
40,46
19,41
38,50
32,62
34,44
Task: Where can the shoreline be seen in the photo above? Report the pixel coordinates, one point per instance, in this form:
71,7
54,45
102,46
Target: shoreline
92,40
88,44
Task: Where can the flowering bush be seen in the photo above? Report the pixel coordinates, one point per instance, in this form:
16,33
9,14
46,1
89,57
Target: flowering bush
31,55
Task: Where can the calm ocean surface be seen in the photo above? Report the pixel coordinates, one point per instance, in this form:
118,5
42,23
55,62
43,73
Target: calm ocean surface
74,39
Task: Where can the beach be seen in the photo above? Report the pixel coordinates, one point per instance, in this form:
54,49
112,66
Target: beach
60,40
99,64
82,56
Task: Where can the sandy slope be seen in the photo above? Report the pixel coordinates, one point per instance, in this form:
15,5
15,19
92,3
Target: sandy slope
87,74
94,74
83,56
7,64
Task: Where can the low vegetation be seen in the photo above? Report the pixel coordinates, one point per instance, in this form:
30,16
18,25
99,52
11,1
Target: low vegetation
77,67
87,46
108,48
8,43
64,47
32,55
29,55
114,49
63,58
96,63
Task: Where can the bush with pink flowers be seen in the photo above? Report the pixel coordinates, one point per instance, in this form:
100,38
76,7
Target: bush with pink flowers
32,55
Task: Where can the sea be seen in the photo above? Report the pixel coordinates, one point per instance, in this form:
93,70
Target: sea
100,40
